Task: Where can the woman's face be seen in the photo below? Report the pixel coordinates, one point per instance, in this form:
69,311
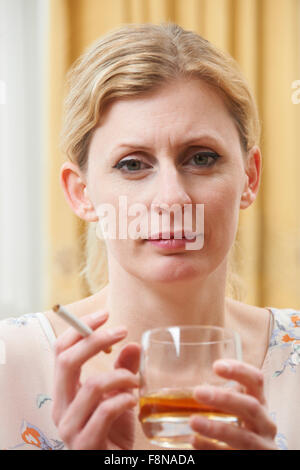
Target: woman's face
164,137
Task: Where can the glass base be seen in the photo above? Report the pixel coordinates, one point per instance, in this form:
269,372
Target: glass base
171,432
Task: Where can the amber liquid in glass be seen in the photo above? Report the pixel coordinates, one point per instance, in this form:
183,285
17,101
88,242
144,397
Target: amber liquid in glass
164,417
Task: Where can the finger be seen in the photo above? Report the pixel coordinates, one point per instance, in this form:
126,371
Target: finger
200,442
92,392
235,437
68,365
72,336
249,376
245,407
129,357
98,426
85,349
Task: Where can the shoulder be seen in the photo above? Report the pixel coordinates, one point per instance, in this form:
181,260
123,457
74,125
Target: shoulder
284,347
237,307
249,319
20,348
253,325
15,327
23,338
286,326
26,357
18,321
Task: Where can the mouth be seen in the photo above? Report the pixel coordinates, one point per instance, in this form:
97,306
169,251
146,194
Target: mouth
172,244
179,235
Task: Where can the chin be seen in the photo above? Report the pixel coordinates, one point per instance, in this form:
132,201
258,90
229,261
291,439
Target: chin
172,272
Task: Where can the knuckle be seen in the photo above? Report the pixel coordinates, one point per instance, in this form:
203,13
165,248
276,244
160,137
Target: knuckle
273,429
227,396
102,339
110,408
103,335
216,429
260,379
57,347
209,427
93,384
124,373
65,360
106,409
130,400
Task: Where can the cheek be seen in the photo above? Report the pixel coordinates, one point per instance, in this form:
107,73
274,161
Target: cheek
221,211
223,202
125,253
106,202
223,195
116,252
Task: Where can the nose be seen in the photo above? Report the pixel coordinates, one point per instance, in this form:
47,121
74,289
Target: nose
170,190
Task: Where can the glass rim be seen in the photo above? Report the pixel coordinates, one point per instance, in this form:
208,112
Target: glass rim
234,336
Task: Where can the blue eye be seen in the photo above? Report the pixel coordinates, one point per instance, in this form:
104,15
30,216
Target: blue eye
134,166
204,158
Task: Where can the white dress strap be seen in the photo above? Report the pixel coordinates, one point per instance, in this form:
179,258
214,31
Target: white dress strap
46,325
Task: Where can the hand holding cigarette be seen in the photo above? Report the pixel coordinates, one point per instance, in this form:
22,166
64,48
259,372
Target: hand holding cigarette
81,327
96,414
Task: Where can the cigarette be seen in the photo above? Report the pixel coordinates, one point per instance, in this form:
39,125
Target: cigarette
81,327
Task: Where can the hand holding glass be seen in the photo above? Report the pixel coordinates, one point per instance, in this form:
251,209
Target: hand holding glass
174,361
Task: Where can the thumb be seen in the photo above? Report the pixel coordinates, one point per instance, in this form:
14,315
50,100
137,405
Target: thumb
129,358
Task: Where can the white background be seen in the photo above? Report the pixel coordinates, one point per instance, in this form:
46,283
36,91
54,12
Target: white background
23,59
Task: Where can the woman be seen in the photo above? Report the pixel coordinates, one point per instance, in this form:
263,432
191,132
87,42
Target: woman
157,115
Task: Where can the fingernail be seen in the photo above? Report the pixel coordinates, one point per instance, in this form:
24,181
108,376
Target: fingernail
134,400
224,366
119,331
204,394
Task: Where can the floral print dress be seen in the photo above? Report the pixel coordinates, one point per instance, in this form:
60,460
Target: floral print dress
27,371
281,370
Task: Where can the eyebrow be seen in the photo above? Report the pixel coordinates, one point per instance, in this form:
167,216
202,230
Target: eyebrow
210,139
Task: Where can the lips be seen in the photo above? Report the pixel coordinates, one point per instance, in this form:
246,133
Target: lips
180,235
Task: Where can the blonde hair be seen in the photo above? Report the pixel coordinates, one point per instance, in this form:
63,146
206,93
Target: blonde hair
130,61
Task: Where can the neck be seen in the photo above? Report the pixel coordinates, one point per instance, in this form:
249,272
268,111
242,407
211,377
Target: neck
140,305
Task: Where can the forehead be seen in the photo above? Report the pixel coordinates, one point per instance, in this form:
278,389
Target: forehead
173,111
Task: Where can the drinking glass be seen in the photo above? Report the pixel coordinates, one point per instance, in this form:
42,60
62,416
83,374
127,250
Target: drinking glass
174,361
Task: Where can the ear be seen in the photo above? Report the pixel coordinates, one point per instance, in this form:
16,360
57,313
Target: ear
253,177
75,191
